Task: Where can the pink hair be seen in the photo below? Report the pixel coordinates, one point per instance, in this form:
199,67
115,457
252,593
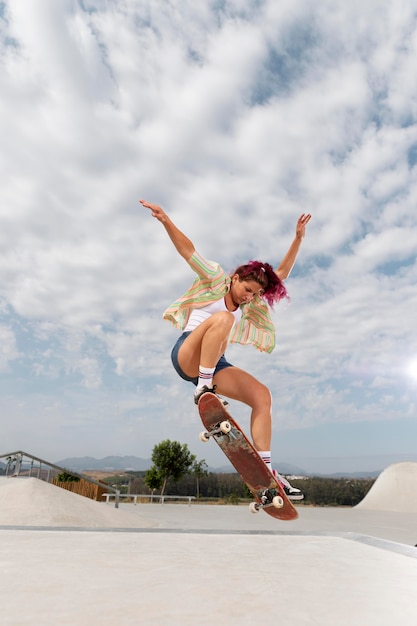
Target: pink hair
264,274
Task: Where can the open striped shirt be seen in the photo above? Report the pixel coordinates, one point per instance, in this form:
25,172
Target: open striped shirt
211,284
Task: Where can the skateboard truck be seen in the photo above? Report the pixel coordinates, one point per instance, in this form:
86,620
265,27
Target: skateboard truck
222,428
267,498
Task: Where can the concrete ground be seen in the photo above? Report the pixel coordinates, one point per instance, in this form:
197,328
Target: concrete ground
201,564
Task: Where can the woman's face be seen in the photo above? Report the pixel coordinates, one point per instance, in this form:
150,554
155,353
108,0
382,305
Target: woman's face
242,291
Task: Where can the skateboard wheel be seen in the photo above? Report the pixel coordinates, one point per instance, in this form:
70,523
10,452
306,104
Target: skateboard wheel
253,507
277,502
204,436
225,427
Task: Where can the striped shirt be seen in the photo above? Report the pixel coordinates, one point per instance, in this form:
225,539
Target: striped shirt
211,284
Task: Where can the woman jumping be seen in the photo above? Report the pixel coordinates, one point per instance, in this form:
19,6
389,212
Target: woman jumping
219,308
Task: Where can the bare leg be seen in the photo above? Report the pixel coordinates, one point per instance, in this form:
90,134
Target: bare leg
237,384
205,345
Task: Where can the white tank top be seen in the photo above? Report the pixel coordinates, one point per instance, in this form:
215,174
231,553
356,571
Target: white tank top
199,315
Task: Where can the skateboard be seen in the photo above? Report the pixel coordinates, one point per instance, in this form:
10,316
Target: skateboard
268,493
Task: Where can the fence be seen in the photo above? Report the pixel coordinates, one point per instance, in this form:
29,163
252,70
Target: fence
82,488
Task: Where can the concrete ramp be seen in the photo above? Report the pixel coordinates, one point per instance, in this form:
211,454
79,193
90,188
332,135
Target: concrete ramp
34,502
395,489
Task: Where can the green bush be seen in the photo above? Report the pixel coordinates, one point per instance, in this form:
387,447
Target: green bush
66,477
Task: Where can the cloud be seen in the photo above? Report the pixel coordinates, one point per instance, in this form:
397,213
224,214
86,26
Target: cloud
236,117
8,350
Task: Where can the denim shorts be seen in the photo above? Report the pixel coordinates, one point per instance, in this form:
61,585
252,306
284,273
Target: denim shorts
221,364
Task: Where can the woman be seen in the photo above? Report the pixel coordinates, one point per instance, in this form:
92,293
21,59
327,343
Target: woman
219,308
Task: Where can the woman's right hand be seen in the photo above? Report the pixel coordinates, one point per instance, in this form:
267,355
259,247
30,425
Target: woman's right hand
156,210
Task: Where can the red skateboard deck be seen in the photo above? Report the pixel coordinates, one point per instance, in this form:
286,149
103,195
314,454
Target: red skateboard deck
268,493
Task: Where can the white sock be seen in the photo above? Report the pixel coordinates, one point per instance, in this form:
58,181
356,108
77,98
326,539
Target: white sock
266,458
205,376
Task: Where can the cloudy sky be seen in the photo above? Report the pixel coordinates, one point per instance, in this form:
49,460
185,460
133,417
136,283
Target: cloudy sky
235,116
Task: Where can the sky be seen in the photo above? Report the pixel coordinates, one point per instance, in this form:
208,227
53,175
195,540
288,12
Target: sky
235,116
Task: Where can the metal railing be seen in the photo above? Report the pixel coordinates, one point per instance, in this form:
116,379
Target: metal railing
148,496
26,465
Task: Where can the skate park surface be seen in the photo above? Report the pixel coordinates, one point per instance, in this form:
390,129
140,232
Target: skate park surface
67,560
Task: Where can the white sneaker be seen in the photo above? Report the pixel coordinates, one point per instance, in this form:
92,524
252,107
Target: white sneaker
291,492
199,392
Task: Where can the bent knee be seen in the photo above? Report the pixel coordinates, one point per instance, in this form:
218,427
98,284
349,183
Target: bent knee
223,319
261,397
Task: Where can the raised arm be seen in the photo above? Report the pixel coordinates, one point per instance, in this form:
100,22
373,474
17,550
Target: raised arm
184,246
287,263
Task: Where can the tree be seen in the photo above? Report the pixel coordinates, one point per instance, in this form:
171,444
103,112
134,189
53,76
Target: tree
170,460
153,478
198,468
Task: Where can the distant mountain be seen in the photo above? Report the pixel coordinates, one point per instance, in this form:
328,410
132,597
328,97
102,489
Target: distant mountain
359,466
290,470
350,475
120,463
83,463
284,468
134,463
